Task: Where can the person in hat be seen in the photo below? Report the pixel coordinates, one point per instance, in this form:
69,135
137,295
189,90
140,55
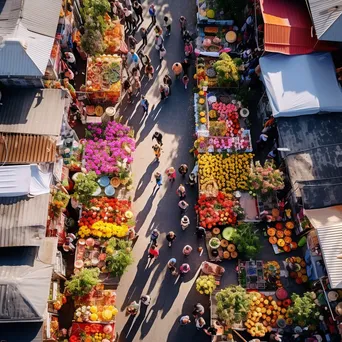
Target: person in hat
183,169
145,299
154,237
184,320
170,237
159,138
187,250
133,308
181,191
185,222
183,206
157,151
177,69
184,269
198,310
171,173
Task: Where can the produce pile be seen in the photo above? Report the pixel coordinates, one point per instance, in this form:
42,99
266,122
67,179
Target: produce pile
83,332
280,234
96,313
105,218
206,284
109,151
104,75
264,312
297,266
217,211
205,72
230,172
114,37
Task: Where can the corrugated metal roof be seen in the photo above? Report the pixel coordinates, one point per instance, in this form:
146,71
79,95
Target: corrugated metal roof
328,222
23,220
287,27
19,20
24,287
327,18
27,149
32,111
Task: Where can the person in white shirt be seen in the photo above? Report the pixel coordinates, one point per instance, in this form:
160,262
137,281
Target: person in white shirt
167,24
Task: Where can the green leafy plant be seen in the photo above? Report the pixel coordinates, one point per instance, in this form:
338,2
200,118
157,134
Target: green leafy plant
304,310
246,240
82,283
206,284
85,186
119,256
233,304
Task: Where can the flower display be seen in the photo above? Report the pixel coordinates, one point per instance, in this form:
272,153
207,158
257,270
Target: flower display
265,179
206,284
230,172
227,70
108,210
101,229
216,211
110,148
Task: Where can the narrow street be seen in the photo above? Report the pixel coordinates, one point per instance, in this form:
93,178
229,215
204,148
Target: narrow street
174,119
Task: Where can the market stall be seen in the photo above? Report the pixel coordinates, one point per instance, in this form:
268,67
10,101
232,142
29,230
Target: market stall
209,12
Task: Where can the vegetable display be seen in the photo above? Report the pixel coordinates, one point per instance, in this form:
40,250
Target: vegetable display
206,284
233,304
85,186
83,282
227,70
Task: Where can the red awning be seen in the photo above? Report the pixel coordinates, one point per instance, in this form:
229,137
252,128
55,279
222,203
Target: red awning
288,27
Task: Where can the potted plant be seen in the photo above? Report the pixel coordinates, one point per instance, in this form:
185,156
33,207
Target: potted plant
85,186
304,310
233,304
83,282
214,243
206,284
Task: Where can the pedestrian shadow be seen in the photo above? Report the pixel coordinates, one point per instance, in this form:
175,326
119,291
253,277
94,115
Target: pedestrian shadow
145,180
141,277
141,217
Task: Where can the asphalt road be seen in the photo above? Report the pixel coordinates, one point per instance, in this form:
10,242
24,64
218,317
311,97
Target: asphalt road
174,118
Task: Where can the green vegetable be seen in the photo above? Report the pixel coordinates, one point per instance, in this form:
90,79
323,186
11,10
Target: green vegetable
85,186
304,310
82,283
206,284
119,256
233,304
246,240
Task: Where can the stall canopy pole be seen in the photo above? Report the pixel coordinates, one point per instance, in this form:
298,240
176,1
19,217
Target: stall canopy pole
239,335
256,25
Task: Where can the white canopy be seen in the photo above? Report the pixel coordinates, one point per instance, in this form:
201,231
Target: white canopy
301,84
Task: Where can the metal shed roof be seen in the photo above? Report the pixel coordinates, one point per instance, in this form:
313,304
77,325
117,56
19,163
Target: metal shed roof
328,222
23,220
28,30
32,111
327,18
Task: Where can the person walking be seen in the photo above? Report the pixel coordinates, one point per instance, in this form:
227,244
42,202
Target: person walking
152,12
177,69
71,61
145,60
200,323
144,104
167,80
159,138
188,49
200,232
136,73
184,320
187,250
167,25
154,237
185,222
171,173
158,178
149,71
198,310
183,169
186,66
171,263
129,90
157,151
143,34
145,299
184,269
138,10
128,19
137,88
170,237
181,191
158,30
162,54
133,308
132,42
182,23
192,179
153,252
159,42
185,81
183,206
166,90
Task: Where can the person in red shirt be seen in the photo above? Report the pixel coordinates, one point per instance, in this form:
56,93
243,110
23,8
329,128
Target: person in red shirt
153,252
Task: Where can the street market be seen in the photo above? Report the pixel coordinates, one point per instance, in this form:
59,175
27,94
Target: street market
170,172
